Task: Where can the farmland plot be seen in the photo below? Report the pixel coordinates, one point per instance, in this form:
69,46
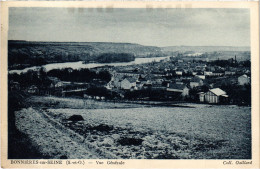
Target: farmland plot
213,132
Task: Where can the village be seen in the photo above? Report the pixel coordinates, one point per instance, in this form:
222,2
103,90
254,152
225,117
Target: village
178,79
171,79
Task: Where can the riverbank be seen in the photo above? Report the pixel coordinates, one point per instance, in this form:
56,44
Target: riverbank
80,64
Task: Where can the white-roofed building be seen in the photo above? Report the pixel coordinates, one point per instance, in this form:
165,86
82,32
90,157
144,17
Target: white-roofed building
215,95
201,76
127,83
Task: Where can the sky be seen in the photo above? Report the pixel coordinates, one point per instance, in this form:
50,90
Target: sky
156,27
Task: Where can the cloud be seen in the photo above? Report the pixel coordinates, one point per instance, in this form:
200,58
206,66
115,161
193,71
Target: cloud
164,27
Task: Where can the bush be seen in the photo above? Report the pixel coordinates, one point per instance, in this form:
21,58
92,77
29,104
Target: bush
76,118
103,128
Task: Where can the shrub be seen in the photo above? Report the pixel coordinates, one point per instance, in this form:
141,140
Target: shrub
76,118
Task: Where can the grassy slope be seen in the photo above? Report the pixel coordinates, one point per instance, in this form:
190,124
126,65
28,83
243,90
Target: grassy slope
19,144
209,127
50,140
202,127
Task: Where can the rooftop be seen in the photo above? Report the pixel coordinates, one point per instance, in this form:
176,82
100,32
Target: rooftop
131,80
218,91
245,76
177,86
196,79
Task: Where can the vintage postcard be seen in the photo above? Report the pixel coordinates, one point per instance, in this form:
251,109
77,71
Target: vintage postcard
129,85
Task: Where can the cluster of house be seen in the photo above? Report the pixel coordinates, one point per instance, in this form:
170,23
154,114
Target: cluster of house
156,78
128,81
173,77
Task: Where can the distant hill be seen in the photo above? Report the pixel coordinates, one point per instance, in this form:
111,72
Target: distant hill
136,49
89,47
24,53
204,48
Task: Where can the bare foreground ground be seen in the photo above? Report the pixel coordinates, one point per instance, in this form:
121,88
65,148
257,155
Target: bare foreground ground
138,131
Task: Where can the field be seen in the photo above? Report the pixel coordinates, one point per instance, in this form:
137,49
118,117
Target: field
120,130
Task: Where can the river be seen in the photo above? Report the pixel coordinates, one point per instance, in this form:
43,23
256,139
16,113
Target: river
80,64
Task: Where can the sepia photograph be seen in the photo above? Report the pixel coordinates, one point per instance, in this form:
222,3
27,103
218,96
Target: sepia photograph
129,83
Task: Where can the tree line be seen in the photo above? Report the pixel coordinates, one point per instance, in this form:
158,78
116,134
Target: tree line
41,78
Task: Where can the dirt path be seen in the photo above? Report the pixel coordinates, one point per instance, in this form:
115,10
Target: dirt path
51,140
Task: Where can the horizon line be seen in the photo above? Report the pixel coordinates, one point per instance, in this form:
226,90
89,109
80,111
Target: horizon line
126,43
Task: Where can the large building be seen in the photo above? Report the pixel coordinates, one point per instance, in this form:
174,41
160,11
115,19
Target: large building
215,95
195,82
178,88
128,83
